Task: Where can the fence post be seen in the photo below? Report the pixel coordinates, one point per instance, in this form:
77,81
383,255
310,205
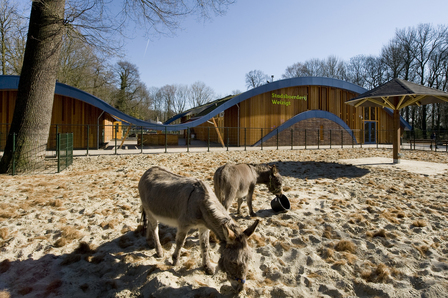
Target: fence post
342,138
245,138
166,140
208,138
141,139
13,153
57,131
414,139
116,134
361,139
188,139
353,142
376,139
262,139
58,146
292,138
228,139
277,138
330,138
305,139
318,138
88,134
66,150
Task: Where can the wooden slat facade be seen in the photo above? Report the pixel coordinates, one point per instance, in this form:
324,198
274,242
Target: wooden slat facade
259,112
69,115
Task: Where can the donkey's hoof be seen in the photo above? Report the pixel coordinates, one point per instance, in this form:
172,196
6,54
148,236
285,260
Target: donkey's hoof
175,261
253,214
209,270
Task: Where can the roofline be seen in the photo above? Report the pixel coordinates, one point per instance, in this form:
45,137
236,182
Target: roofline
12,82
280,84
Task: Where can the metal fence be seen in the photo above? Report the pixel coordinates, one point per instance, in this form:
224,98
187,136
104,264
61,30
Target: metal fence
114,139
33,161
64,150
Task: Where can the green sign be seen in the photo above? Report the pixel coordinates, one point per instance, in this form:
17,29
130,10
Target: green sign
282,98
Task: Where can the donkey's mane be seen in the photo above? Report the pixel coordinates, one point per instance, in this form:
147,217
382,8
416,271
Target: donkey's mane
218,212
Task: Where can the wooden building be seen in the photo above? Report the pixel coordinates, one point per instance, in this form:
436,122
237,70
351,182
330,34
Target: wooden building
297,108
91,120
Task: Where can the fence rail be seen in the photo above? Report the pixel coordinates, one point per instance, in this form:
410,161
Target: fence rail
114,139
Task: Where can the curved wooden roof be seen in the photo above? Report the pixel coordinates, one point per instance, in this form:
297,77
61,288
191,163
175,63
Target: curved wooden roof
209,110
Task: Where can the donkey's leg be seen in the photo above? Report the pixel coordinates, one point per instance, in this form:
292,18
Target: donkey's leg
205,244
240,201
249,200
230,195
180,240
153,227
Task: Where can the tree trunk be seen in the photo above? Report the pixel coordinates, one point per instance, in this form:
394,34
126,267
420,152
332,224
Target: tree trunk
32,114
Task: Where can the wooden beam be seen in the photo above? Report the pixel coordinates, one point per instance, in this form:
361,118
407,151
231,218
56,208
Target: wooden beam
361,102
218,133
400,102
412,101
379,102
125,136
386,100
441,98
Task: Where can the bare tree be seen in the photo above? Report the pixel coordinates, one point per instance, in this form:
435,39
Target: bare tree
392,57
428,40
167,94
49,21
156,104
132,94
294,71
332,67
200,94
256,78
374,72
356,70
181,98
12,37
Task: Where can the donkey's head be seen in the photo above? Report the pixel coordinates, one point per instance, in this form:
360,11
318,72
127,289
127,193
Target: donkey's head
236,255
275,181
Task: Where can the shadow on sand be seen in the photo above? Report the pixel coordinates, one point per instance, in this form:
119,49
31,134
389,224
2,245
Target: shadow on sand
114,269
316,170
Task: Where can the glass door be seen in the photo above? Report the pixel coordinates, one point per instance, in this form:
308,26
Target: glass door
369,132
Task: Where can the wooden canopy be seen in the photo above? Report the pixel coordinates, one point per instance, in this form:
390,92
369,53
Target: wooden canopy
398,94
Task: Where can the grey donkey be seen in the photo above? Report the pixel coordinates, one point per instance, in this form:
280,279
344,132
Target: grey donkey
187,203
233,181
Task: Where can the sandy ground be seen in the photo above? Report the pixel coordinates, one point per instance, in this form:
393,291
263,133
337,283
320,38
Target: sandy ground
359,226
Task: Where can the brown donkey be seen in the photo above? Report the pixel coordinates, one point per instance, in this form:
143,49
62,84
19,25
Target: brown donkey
238,181
187,203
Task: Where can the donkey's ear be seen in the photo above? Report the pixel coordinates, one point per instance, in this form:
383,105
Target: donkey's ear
229,235
274,169
250,230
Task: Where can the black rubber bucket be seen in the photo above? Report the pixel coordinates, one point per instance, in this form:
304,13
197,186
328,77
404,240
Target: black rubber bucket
280,204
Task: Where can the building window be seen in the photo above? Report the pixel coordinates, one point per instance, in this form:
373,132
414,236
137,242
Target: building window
370,113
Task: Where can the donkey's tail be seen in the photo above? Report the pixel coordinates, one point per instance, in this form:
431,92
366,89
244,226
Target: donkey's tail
143,218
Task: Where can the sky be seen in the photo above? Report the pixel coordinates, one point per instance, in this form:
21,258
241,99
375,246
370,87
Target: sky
272,35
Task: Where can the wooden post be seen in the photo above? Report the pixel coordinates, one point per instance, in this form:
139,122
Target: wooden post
125,136
219,134
396,137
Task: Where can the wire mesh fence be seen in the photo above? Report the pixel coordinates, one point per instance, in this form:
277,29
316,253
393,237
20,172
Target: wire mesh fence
38,157
64,150
129,139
